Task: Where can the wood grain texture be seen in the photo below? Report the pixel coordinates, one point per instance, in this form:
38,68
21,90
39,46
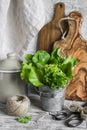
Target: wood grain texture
51,32
75,46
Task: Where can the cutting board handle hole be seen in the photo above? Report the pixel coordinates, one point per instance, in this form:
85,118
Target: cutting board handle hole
60,5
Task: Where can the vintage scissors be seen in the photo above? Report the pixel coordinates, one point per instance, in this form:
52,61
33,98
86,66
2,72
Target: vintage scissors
71,115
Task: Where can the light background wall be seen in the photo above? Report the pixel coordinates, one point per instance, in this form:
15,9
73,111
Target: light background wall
21,20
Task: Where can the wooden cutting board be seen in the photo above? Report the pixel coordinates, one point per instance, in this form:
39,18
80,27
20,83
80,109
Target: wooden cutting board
51,31
75,45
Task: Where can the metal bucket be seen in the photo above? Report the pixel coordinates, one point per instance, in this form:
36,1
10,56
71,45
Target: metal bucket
52,100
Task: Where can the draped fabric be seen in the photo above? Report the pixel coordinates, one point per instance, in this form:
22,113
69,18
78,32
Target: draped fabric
21,20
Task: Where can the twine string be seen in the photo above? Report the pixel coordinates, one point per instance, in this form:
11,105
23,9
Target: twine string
60,27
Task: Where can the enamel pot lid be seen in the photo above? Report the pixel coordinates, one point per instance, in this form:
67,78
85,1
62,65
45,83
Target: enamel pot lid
10,64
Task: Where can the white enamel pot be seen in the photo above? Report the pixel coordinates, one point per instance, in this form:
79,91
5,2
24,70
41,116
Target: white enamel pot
10,80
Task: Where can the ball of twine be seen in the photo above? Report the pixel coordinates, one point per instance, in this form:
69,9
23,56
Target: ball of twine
18,105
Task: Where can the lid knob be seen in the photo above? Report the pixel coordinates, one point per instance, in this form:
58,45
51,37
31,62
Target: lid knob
11,55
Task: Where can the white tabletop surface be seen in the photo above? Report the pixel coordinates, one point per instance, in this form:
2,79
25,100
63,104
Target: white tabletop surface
41,120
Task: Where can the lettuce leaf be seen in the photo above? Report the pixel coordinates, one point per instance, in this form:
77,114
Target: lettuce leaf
28,58
68,66
31,75
41,58
56,58
34,77
54,77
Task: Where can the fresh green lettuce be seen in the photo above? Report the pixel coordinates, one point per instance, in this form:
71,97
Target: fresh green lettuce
52,69
24,119
54,76
40,58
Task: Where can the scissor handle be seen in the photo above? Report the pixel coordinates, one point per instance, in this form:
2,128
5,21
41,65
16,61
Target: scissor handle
62,115
74,121
74,108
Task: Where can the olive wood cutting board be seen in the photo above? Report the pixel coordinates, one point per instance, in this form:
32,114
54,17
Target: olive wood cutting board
51,31
75,45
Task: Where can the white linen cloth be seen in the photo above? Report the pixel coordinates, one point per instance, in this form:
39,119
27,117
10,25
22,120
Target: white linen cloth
21,20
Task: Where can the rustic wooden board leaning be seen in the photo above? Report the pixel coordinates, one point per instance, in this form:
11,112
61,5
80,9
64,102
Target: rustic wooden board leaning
75,46
51,31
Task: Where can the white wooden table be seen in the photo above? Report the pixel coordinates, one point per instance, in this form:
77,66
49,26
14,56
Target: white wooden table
41,120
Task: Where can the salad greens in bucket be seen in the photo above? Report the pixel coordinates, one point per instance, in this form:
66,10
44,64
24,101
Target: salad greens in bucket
52,69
